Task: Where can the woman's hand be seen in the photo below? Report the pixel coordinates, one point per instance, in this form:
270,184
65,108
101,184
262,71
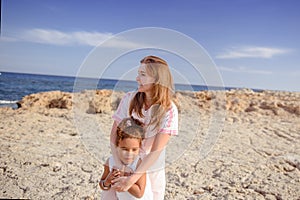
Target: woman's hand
121,184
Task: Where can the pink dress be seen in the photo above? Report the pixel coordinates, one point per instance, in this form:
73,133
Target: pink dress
169,126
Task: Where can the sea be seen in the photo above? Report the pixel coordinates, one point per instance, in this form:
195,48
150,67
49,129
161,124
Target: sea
14,86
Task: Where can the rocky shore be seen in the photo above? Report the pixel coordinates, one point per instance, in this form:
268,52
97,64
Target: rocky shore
236,144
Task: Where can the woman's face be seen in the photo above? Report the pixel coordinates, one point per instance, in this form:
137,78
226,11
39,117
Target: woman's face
128,150
144,80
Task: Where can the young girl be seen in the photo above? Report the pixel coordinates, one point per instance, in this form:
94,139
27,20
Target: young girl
130,134
151,104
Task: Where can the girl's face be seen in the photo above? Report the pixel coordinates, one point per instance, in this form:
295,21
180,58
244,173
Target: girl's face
128,150
144,80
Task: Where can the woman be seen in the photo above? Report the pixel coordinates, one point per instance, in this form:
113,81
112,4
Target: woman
152,105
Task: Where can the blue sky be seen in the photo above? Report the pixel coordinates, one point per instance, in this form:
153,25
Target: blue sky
253,43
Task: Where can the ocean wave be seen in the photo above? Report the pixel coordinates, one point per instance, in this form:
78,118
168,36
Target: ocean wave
7,102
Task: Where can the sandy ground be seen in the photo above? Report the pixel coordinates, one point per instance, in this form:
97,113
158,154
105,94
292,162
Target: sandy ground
237,144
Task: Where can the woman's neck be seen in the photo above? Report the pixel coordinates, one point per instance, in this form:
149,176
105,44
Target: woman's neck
148,95
148,101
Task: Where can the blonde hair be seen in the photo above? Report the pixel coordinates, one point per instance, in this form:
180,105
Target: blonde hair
163,90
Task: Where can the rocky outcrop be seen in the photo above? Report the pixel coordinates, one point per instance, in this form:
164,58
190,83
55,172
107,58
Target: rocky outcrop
53,99
104,101
236,101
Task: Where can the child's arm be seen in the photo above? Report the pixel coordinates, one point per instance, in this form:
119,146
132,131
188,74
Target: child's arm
138,188
107,177
113,147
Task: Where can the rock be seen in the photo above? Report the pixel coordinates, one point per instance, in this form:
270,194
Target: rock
100,102
293,160
53,99
57,167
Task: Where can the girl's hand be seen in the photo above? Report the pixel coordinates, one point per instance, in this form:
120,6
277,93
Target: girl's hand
111,176
121,184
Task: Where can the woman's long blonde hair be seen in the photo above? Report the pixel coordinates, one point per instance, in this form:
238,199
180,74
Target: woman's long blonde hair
163,90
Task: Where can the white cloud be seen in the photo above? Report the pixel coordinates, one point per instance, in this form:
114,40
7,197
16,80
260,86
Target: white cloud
252,52
7,39
244,70
55,37
45,36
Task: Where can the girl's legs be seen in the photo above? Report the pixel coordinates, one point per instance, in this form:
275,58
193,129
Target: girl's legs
157,177
109,195
158,184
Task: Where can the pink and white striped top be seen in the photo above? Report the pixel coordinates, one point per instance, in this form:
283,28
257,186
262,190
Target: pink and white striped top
169,123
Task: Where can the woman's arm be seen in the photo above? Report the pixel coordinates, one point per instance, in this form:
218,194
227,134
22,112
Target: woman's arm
113,136
138,188
124,183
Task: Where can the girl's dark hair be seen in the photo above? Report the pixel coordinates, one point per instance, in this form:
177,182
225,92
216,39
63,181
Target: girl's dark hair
130,128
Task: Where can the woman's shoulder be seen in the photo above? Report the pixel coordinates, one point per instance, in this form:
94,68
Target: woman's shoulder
130,94
173,106
172,111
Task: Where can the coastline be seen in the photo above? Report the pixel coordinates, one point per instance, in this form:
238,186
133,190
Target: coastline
54,145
